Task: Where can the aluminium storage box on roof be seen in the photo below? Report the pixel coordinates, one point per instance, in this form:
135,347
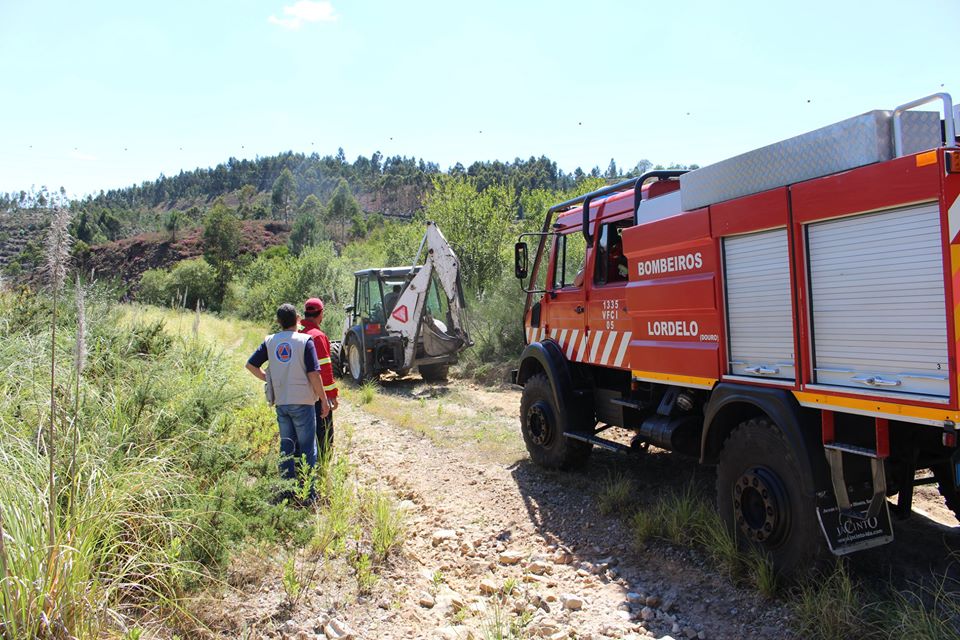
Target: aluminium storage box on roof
855,142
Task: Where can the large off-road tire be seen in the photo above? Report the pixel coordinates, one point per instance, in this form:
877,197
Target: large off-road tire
356,362
434,372
543,426
944,476
760,497
336,358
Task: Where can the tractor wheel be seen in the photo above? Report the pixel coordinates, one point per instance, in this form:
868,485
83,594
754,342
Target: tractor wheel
542,426
434,372
944,476
336,358
356,362
760,497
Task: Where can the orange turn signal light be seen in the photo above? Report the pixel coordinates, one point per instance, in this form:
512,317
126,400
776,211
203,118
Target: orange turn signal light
952,161
926,158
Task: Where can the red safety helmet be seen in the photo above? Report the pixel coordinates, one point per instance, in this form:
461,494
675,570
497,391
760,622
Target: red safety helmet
313,305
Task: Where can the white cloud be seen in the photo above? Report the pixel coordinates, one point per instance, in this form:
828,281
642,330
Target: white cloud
303,11
78,155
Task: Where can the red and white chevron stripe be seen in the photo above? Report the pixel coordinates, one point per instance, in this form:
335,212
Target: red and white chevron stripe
605,348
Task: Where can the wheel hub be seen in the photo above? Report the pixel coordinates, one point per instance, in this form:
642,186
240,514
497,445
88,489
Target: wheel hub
760,506
541,433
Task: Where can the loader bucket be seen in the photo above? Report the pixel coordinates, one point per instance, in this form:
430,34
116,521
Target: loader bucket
436,341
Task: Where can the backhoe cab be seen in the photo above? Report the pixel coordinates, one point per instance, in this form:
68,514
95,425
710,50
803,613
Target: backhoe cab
405,317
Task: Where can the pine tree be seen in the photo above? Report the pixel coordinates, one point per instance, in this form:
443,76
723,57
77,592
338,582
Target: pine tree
222,236
284,192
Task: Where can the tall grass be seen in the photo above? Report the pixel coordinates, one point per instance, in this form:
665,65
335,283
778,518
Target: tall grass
615,495
57,258
119,545
831,607
931,613
167,467
387,526
368,392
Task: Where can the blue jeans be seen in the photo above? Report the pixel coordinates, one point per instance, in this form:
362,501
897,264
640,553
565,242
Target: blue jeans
298,435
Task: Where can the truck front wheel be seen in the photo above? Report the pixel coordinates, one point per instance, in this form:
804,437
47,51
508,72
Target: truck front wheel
760,497
542,428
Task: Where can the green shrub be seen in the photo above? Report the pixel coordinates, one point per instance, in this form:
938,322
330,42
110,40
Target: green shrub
276,251
270,281
189,282
495,322
194,281
154,287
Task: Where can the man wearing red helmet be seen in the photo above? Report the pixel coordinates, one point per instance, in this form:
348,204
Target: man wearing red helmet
312,317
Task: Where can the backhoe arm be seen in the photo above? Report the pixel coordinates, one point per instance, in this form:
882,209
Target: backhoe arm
405,319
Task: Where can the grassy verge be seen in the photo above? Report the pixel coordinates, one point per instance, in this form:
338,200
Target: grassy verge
447,420
165,462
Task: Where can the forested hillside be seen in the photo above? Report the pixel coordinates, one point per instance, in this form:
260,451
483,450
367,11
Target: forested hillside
274,187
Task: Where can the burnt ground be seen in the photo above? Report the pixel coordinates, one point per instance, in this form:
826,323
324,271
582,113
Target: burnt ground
130,257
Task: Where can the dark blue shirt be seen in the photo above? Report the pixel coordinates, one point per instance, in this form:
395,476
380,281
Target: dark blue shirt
309,356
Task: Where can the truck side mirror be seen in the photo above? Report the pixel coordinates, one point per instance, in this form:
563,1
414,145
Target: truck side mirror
520,260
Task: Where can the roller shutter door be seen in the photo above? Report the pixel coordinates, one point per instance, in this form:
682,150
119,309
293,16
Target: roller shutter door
759,312
877,300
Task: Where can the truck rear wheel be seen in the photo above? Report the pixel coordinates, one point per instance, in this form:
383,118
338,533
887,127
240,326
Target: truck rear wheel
944,476
760,497
336,358
434,372
543,428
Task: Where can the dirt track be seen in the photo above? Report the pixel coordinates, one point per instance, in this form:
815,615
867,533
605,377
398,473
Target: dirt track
453,455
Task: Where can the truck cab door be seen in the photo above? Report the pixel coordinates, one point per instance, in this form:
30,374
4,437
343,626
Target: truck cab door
608,327
565,303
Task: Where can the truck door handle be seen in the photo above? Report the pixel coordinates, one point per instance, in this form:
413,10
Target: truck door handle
877,381
579,309
763,370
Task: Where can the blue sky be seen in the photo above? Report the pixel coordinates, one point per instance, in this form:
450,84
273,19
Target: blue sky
102,94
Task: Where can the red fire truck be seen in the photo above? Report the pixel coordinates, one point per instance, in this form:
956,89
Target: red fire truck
790,315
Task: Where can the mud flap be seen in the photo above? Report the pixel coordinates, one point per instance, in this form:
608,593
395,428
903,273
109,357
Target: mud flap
846,534
853,526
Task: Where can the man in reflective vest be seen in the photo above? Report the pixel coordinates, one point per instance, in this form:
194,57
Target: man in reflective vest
312,318
296,385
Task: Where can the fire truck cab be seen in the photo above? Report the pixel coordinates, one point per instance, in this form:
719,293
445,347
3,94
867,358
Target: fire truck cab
787,315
